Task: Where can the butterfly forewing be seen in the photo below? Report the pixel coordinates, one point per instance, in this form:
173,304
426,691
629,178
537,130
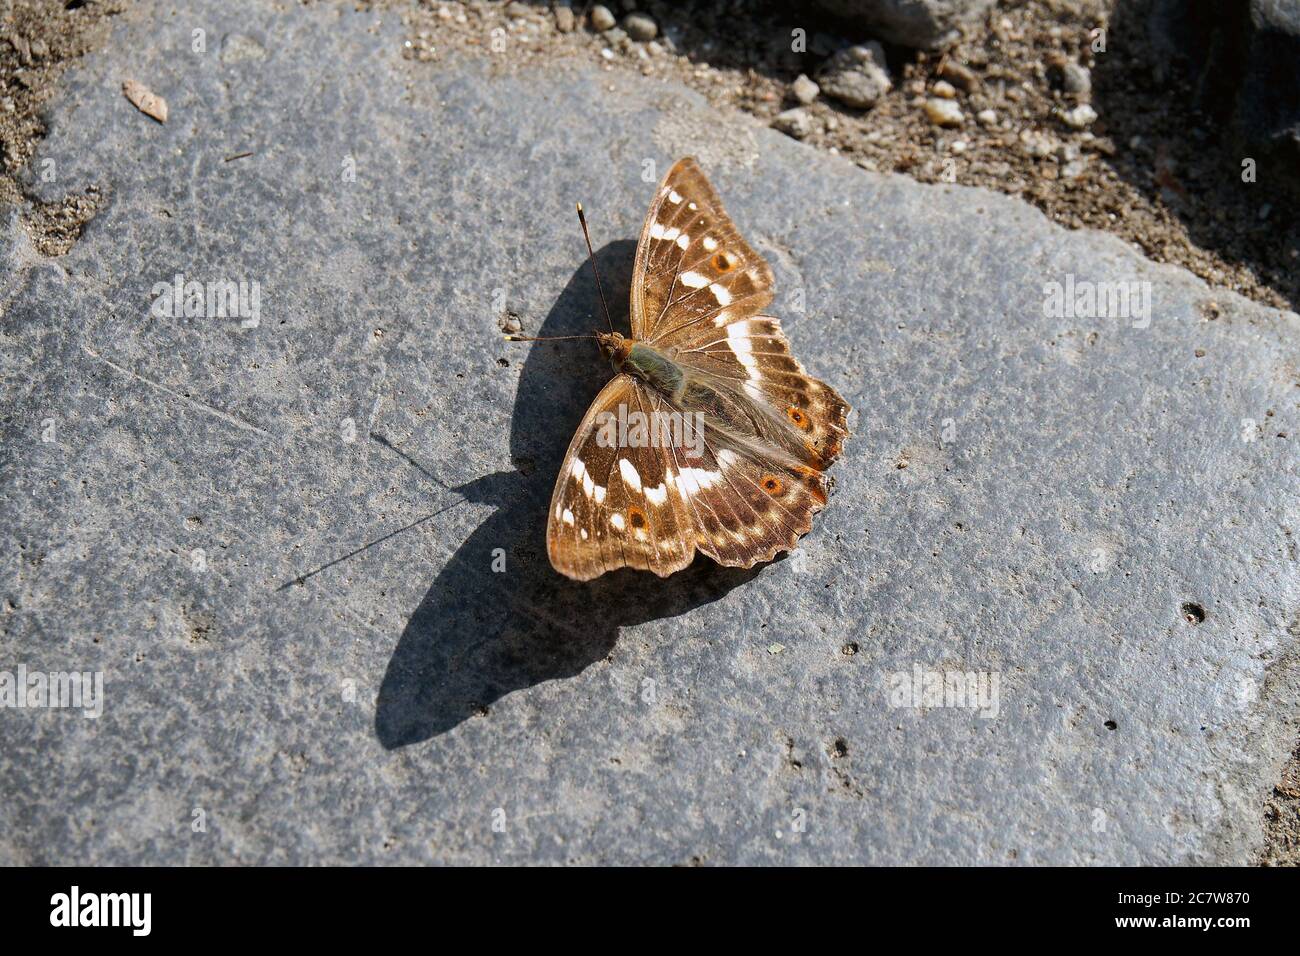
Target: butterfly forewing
611,506
692,266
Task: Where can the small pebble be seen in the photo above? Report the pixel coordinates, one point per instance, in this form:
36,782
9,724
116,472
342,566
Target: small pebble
516,10
943,112
987,117
601,18
945,89
640,27
795,123
804,89
564,19
1076,78
959,75
1081,117
1073,169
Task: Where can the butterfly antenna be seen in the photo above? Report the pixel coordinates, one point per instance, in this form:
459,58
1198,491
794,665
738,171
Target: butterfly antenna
511,337
591,255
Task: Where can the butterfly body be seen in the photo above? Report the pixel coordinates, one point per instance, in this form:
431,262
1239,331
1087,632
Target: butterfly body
711,436
644,362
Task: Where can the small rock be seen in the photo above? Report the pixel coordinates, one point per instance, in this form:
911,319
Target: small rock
987,117
1076,78
601,18
804,90
1038,144
640,27
959,75
1081,117
796,123
920,24
510,324
39,49
564,19
22,48
1073,169
856,76
944,89
944,112
516,10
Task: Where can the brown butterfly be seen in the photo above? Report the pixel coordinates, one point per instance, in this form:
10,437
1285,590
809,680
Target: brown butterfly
711,437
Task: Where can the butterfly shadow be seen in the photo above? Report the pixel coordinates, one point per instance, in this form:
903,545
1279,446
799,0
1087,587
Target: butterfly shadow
481,633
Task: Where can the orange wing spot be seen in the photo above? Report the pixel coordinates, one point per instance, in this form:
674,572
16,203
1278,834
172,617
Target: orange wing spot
723,262
636,517
799,418
772,484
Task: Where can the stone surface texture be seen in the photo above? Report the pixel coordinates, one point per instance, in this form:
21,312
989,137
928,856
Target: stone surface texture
923,24
277,542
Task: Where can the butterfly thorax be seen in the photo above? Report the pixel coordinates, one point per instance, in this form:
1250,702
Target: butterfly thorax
644,362
727,418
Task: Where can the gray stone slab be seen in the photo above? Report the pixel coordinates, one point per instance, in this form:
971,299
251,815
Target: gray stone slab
1093,478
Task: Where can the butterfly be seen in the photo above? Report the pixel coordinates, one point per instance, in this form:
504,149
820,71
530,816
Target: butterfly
710,437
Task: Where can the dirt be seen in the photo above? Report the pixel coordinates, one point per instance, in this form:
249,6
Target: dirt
38,40
1282,819
1150,169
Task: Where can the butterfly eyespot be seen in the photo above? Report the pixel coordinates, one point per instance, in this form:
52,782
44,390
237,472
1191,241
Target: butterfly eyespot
798,417
723,262
636,517
772,484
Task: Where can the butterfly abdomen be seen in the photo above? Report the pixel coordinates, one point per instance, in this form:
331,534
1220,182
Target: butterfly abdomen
655,369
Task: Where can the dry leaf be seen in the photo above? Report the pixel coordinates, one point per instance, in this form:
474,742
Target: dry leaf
147,102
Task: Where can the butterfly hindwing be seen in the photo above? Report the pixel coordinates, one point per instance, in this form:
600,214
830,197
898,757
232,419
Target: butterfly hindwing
752,357
745,509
